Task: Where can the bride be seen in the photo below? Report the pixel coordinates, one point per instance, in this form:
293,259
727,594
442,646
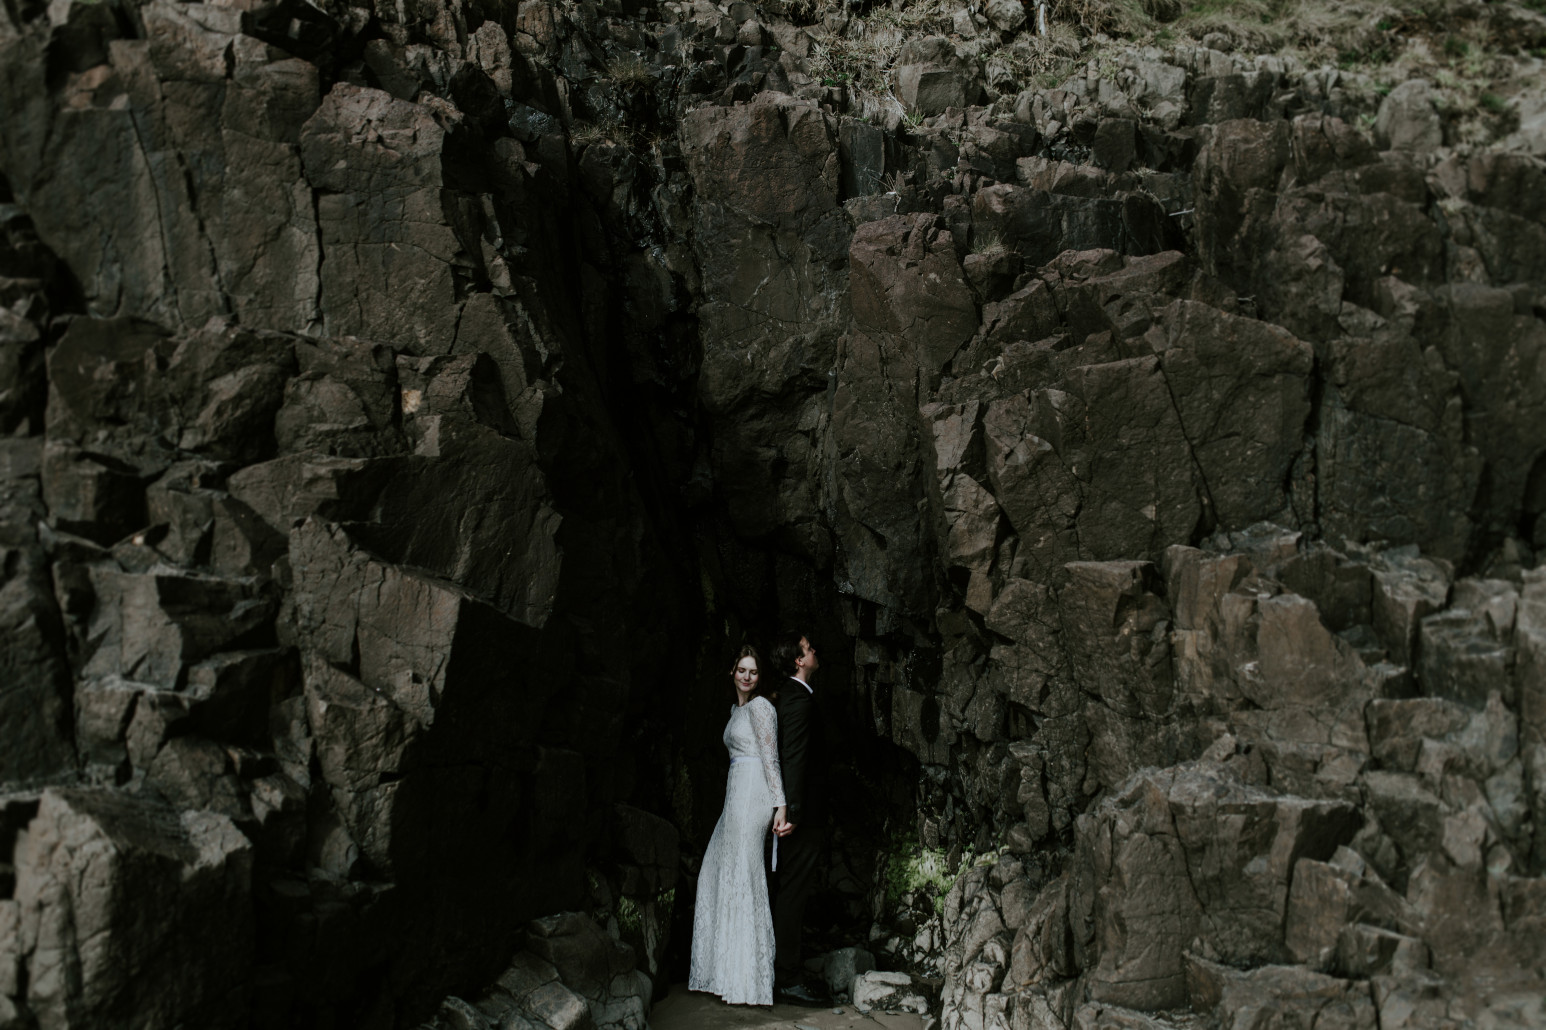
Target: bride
732,936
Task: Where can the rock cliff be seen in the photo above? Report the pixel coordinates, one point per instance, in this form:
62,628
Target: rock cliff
405,407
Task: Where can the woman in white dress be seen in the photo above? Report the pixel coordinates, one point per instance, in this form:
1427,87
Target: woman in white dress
732,935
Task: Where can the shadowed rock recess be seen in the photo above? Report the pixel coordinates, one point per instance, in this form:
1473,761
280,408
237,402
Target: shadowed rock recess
405,409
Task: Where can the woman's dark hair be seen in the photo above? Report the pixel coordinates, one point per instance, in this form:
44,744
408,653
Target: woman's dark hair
765,685
786,652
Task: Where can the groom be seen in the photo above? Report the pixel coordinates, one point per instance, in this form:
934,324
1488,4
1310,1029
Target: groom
803,761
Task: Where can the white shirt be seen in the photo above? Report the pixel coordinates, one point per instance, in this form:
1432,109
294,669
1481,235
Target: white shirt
804,684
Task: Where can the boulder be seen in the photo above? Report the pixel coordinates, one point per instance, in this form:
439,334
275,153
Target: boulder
1242,391
1183,852
773,243
888,992
1327,898
133,913
1005,15
1410,813
155,625
380,214
912,311
1465,655
1040,952
928,89
1038,225
1407,588
842,966
1279,995
1407,119
35,702
1030,314
1398,728
1093,1016
1366,951
1075,478
907,283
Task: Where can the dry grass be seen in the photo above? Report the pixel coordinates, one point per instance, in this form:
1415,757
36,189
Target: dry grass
801,12
630,70
989,245
837,60
1274,24
1112,17
604,130
1385,40
1032,61
1260,25
863,65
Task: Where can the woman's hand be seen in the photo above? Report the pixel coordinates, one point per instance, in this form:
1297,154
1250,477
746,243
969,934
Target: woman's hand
781,825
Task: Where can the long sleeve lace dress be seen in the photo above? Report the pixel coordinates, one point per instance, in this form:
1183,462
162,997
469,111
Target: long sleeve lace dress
732,936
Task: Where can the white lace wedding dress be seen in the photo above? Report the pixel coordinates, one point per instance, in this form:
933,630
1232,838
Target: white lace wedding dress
732,934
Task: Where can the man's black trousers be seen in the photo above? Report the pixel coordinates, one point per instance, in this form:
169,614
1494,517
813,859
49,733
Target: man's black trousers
793,883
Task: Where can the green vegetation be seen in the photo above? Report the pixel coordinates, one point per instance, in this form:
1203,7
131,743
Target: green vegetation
911,867
630,914
630,917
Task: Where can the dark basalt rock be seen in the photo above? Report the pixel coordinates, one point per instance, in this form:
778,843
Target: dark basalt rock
404,410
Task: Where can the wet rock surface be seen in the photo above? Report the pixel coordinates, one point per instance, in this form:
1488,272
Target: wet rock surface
404,408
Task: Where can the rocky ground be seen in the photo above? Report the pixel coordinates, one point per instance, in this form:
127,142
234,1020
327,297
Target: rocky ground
406,406
683,1010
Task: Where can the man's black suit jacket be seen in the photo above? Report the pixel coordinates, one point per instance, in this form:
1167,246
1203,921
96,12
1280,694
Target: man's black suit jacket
802,753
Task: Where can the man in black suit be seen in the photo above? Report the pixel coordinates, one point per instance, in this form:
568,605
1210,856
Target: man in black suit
802,759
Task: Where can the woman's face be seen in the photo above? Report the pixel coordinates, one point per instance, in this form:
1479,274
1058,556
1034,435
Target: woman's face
746,673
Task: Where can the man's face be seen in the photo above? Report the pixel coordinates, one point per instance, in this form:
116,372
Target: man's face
808,660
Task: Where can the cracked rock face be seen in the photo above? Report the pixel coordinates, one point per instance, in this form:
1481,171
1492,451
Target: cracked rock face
404,409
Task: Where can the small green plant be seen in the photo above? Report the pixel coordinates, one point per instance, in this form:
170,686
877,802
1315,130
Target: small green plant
1493,104
1374,56
913,868
630,918
1456,47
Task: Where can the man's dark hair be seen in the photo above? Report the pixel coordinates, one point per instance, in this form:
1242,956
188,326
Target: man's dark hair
787,651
